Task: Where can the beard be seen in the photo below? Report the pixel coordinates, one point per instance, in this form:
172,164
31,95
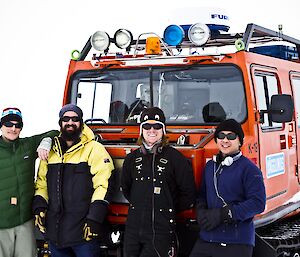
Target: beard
70,135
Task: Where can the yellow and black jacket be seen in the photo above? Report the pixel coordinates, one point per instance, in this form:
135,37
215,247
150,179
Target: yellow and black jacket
70,187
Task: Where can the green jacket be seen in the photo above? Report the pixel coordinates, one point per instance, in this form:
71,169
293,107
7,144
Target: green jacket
17,170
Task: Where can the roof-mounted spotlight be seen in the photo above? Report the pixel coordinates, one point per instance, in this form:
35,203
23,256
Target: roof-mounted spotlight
174,35
199,34
123,38
100,41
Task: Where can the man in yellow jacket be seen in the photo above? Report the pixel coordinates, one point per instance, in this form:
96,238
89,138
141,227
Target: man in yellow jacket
71,197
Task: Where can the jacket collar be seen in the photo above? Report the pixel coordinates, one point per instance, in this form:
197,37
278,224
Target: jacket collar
8,143
86,136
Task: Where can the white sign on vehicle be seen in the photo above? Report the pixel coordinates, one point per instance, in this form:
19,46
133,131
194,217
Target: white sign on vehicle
275,165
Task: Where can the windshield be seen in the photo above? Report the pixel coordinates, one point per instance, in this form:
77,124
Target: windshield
194,95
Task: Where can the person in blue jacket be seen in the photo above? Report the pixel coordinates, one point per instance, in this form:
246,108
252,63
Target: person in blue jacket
232,192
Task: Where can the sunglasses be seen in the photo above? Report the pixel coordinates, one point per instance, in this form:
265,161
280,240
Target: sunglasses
229,136
9,124
156,126
68,118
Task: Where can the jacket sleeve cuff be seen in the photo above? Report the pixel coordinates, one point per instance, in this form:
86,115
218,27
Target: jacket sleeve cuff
98,211
39,203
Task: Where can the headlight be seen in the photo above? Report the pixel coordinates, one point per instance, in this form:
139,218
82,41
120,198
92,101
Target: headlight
123,38
100,41
115,237
199,34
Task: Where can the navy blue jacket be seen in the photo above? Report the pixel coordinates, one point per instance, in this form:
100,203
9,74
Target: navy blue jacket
241,186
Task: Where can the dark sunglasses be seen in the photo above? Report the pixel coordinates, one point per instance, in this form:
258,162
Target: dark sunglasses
9,124
67,118
229,136
156,126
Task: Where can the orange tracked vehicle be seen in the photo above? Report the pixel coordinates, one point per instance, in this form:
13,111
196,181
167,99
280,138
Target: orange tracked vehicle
199,75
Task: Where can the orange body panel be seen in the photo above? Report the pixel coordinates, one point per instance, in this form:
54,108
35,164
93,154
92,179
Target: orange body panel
257,144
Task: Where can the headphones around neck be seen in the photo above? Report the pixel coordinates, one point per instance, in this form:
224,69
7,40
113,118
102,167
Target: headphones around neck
228,160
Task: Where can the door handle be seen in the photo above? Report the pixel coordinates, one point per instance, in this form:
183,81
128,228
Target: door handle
282,142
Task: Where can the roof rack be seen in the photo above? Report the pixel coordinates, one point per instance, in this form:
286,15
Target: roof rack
254,31
254,34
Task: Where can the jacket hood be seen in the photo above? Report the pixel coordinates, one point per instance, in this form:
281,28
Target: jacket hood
87,134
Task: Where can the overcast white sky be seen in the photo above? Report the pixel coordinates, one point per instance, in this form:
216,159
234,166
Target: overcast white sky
37,37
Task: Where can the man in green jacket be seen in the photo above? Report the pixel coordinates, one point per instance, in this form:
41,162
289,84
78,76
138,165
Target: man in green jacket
17,170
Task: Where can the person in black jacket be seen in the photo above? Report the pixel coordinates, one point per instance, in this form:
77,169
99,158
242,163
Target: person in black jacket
158,182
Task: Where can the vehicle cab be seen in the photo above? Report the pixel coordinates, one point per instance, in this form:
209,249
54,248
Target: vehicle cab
199,75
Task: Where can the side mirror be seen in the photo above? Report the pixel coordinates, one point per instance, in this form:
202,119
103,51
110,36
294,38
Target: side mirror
282,108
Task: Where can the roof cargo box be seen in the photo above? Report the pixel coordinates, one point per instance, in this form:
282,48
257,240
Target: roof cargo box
278,51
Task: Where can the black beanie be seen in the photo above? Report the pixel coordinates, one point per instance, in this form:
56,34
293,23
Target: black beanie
230,125
153,115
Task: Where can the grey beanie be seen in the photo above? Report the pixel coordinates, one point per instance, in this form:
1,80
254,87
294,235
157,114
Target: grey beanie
70,107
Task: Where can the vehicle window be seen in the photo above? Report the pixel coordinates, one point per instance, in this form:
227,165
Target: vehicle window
94,99
296,87
193,95
266,85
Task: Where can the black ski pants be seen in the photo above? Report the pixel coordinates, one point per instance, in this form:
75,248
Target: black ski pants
148,245
206,249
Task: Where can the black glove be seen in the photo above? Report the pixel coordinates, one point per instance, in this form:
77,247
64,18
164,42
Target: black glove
40,219
212,218
226,214
91,230
200,214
